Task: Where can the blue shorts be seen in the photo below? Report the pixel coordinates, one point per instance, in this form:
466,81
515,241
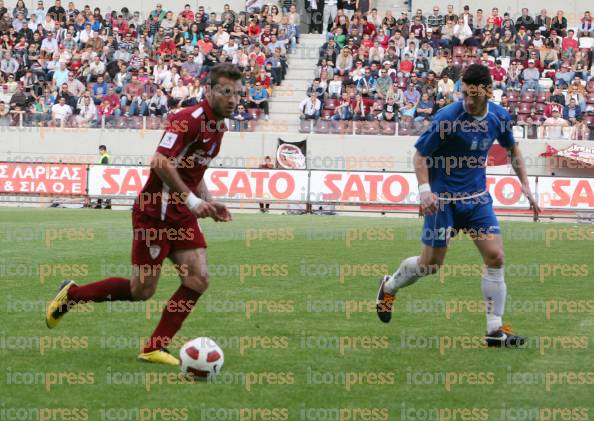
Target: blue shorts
475,216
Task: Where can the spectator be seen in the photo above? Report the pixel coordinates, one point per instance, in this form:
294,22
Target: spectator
445,88
258,98
531,77
241,117
335,87
310,107
87,112
61,112
498,74
424,109
367,85
390,110
344,110
586,26
572,112
361,110
553,126
158,104
139,106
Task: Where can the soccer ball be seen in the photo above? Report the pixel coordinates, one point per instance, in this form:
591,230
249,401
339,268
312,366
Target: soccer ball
201,358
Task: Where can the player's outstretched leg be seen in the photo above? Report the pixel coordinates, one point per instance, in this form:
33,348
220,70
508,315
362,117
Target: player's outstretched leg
193,272
69,294
495,293
410,271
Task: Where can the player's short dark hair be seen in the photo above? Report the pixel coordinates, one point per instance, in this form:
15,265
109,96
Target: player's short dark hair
226,70
477,74
102,148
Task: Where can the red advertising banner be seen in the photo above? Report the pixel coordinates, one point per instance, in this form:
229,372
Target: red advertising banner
400,188
43,179
107,180
247,184
567,193
257,184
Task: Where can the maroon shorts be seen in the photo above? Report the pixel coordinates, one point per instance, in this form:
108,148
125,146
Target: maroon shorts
153,240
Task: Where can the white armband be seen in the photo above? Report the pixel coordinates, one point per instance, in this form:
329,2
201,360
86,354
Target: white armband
193,201
424,188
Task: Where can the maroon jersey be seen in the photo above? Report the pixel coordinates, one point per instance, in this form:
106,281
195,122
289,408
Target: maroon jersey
192,140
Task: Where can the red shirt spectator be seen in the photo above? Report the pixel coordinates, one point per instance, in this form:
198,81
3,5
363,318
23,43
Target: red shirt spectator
205,45
121,24
264,79
187,13
254,29
265,38
406,65
569,42
258,55
498,73
113,99
552,107
167,46
105,109
369,29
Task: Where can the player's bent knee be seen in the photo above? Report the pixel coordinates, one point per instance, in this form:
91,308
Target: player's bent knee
198,283
143,292
495,259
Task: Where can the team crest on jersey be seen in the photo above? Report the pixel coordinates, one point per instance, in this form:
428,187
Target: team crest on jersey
154,251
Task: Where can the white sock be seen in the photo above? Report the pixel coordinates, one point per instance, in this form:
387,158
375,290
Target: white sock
495,293
407,274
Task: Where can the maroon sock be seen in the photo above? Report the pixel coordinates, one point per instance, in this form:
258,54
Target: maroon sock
178,307
110,289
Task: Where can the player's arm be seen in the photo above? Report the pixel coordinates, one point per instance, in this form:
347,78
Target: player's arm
221,211
425,146
427,198
506,139
166,170
519,167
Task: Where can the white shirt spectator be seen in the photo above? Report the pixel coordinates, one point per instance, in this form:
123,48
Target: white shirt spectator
84,36
87,112
221,38
9,65
61,112
335,87
49,45
97,68
230,49
308,107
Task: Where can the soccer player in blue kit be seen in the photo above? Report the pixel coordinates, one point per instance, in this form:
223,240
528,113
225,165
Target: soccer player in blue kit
450,165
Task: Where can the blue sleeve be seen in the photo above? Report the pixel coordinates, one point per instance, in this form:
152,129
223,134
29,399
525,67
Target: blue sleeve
429,141
506,137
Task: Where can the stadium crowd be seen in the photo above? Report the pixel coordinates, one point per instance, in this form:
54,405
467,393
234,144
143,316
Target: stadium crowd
404,69
65,66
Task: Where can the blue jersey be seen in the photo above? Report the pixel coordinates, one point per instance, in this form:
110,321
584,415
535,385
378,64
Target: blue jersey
457,145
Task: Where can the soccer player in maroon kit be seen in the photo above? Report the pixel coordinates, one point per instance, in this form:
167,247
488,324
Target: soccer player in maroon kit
164,217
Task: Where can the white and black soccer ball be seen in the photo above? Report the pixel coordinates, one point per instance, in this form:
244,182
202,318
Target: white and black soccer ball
201,358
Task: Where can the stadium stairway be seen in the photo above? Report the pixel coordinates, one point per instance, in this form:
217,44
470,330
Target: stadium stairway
284,103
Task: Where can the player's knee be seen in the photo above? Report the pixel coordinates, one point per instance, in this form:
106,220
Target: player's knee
431,265
198,283
495,259
142,292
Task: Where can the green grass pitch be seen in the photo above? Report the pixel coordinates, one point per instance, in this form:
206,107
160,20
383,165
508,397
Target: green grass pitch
291,303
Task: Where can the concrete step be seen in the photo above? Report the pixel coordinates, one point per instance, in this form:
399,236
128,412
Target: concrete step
288,96
288,87
284,107
302,63
302,74
287,117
